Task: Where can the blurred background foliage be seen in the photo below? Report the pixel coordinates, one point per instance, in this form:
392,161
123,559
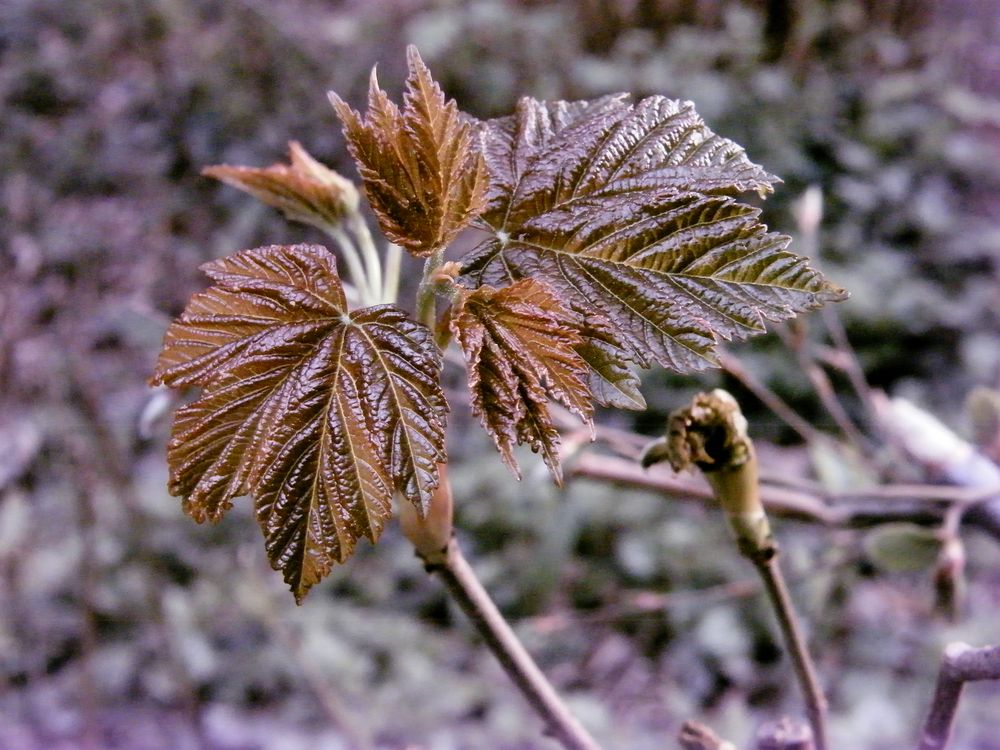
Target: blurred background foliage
123,625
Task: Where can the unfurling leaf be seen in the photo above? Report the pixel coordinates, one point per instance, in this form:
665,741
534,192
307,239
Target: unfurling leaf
423,174
627,211
520,349
318,413
305,190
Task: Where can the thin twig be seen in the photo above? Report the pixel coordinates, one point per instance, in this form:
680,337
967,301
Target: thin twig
338,714
695,736
711,434
781,603
468,592
828,397
781,501
797,342
960,663
850,364
89,691
641,603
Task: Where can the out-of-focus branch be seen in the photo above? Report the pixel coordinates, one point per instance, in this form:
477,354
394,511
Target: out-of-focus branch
960,663
784,734
695,736
844,358
795,338
638,603
921,504
769,398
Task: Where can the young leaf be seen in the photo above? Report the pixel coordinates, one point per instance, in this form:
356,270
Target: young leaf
305,190
627,211
423,174
318,413
520,349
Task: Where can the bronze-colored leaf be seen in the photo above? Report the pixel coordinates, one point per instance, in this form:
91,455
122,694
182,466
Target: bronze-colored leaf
318,413
305,190
520,349
422,171
628,212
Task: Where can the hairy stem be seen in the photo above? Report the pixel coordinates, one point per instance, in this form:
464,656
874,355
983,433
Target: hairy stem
961,663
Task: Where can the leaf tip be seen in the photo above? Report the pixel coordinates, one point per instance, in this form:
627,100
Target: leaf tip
217,171
832,293
343,109
413,58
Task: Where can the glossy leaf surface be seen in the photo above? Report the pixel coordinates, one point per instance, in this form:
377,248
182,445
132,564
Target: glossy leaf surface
422,171
319,413
520,349
627,211
305,190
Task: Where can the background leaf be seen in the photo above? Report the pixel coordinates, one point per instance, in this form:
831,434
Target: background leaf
903,547
317,412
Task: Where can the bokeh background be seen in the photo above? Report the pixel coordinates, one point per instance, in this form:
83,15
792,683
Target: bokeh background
125,625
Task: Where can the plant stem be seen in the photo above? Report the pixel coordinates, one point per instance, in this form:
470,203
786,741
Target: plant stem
432,537
960,663
426,294
781,602
393,256
464,586
711,433
373,266
354,265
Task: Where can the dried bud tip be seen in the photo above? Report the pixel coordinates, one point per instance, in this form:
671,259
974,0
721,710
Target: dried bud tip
710,433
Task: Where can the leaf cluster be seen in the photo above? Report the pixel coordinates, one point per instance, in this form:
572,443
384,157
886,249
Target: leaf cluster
613,238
